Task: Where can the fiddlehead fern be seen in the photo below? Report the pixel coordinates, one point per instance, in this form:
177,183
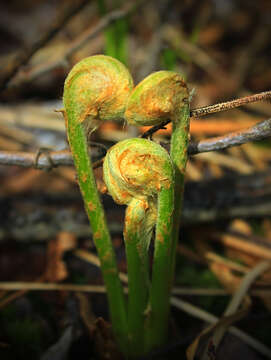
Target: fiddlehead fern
163,95
139,174
96,90
158,97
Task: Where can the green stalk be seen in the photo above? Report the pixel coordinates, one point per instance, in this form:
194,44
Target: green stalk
101,236
179,156
166,241
160,96
139,173
96,90
137,238
110,33
115,35
121,29
157,320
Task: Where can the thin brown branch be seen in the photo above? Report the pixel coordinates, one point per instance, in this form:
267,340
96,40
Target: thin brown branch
153,129
44,161
260,131
79,42
212,109
26,54
29,160
231,104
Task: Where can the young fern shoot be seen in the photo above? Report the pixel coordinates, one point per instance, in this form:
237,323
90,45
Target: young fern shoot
96,90
139,174
160,96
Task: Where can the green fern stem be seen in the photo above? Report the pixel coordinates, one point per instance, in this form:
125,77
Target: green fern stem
160,96
96,90
101,236
139,173
179,156
157,317
136,246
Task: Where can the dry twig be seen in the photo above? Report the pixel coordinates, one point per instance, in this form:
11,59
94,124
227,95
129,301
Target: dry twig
231,104
41,162
259,131
232,309
211,109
